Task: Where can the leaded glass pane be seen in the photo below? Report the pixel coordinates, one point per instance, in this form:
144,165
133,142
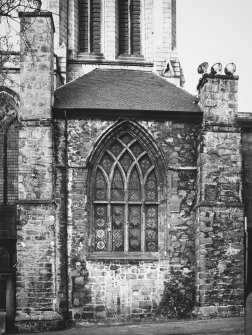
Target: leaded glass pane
136,149
126,161
134,216
100,186
124,155
116,148
145,164
151,228
117,228
134,228
134,186
151,192
106,163
126,138
100,223
117,216
135,240
117,190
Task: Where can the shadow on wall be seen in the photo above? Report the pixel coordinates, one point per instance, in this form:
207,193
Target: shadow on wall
178,299
81,289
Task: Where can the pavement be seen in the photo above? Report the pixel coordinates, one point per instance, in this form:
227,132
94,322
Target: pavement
231,326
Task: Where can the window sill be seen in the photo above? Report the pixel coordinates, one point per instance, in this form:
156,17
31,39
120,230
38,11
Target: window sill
147,256
128,60
90,56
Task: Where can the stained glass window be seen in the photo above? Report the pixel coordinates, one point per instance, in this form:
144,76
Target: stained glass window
100,186
117,191
151,228
106,163
134,228
134,186
126,161
118,228
125,198
100,222
151,191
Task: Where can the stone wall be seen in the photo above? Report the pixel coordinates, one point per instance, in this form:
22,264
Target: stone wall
126,290
36,249
220,214
247,196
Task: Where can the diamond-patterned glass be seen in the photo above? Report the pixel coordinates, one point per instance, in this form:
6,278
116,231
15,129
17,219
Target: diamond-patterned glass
152,246
106,163
117,216
117,213
145,164
116,148
151,192
134,216
134,186
125,155
117,240
100,222
134,228
117,189
136,149
100,186
151,231
126,138
135,240
126,161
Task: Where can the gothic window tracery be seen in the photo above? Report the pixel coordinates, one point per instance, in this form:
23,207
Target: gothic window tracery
125,198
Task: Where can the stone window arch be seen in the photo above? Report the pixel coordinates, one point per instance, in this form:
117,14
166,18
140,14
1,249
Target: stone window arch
126,192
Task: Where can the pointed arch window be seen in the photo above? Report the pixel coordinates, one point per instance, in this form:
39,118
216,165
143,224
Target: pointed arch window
125,198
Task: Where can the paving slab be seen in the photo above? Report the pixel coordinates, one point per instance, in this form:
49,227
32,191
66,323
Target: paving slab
231,326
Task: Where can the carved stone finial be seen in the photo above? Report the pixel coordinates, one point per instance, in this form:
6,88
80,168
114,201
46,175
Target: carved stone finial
37,4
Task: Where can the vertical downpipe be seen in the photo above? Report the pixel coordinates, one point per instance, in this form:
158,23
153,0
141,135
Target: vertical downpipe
66,215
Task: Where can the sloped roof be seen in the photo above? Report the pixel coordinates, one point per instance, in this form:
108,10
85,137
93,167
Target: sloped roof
107,89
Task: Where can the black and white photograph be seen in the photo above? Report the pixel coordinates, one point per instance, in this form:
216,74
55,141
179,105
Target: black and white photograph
125,167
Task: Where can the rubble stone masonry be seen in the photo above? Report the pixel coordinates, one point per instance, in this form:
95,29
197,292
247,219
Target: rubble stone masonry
220,214
121,289
36,285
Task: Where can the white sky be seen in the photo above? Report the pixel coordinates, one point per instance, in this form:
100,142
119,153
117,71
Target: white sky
216,31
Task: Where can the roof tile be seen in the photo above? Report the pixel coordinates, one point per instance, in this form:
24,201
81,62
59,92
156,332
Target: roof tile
123,90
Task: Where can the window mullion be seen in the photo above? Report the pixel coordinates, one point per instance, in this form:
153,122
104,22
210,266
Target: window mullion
129,26
89,26
143,227
126,213
109,237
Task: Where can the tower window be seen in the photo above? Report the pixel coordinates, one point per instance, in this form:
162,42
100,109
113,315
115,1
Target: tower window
125,198
129,27
90,26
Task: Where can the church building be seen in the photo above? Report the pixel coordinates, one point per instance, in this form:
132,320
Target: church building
123,198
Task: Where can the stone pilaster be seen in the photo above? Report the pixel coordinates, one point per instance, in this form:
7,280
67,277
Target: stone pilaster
220,217
35,287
